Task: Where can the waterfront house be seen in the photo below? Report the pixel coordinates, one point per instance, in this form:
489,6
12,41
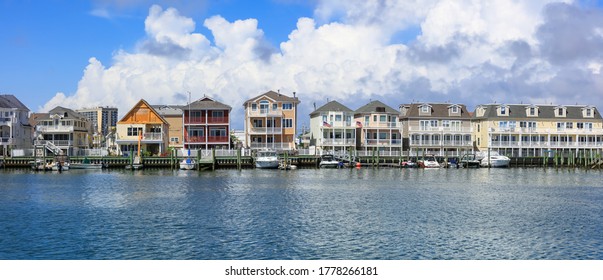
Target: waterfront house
206,124
63,131
442,129
378,128
15,131
333,128
173,115
537,130
142,125
271,121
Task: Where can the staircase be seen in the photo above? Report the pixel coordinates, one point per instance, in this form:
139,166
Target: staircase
53,148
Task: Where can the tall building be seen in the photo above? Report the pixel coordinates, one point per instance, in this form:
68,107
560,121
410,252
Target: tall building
15,131
436,128
271,121
103,119
537,130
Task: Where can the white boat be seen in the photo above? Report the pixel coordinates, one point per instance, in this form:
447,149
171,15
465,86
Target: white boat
59,166
188,164
329,161
136,164
495,160
39,165
429,162
266,159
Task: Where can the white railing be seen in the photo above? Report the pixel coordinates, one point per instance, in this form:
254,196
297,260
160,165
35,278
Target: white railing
265,113
152,136
376,125
60,143
440,129
382,142
276,145
338,124
552,144
381,153
552,131
60,128
266,130
338,142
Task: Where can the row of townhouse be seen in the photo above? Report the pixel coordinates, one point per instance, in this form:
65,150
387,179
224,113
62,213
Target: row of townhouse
450,129
271,123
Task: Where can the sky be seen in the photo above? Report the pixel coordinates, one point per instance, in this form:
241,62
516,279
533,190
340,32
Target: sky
80,54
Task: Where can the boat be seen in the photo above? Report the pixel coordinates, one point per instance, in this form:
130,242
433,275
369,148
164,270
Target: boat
39,165
329,161
85,164
408,164
286,166
469,160
494,160
59,166
266,159
429,162
136,164
188,164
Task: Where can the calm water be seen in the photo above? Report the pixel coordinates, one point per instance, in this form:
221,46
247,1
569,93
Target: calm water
302,214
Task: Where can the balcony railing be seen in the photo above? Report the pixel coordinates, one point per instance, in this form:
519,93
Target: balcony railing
440,143
382,142
204,139
440,129
60,128
382,125
5,140
266,130
265,113
333,142
275,145
552,144
338,124
58,143
152,136
561,131
204,120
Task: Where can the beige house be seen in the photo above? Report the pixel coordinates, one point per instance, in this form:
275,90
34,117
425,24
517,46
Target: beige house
63,131
271,121
173,115
143,126
441,129
333,128
379,128
537,130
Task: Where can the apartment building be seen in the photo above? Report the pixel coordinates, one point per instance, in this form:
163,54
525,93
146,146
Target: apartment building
271,121
63,131
103,121
537,130
442,129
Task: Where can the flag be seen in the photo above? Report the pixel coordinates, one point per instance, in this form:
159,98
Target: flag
358,124
326,124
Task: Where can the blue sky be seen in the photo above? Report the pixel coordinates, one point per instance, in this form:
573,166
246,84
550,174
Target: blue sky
114,52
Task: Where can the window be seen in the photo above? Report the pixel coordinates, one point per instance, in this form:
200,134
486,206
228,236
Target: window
375,118
569,125
195,132
174,139
338,118
454,109
274,107
588,112
503,110
217,114
287,106
366,120
134,131
424,125
446,123
424,109
254,107
257,123
382,135
382,118
287,123
560,112
433,123
217,132
532,111
324,118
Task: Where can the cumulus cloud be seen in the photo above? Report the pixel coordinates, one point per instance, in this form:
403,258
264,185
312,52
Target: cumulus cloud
467,51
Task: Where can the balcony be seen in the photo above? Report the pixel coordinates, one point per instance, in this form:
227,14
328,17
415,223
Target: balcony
5,121
338,142
275,145
5,141
58,143
204,120
440,129
383,142
441,143
552,131
375,125
152,136
265,130
59,128
338,124
265,113
204,140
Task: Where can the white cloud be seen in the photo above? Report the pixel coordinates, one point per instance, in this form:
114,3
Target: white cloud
468,51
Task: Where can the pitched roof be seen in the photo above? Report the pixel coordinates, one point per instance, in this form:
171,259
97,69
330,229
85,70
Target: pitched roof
276,96
207,103
372,106
168,110
332,106
519,111
71,114
438,110
142,102
10,101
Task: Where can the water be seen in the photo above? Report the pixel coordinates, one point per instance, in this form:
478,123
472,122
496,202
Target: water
302,214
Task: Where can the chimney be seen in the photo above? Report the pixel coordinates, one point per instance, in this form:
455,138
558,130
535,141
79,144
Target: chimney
294,95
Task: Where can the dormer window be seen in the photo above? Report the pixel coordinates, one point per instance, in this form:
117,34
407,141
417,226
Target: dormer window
532,111
503,110
454,109
424,109
587,112
560,112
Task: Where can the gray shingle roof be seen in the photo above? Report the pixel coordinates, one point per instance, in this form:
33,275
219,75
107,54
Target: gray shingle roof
332,106
279,97
206,103
168,110
372,106
438,110
518,111
10,101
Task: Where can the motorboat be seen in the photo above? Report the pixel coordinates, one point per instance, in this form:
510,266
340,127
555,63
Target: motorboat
266,159
39,165
408,164
470,160
59,166
429,162
188,164
136,164
494,159
329,161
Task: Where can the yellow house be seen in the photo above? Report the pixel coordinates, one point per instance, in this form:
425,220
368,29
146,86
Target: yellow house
271,121
173,115
143,126
537,130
